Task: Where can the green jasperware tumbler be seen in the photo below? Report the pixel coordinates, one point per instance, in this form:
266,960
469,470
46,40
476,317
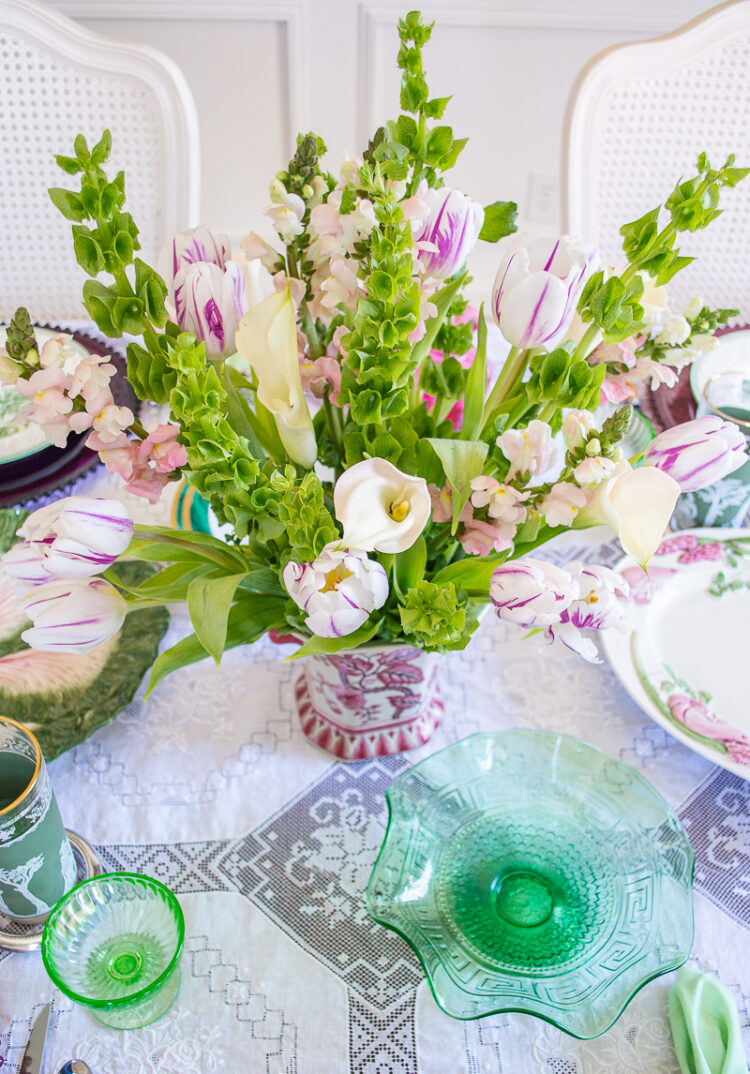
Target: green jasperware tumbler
37,865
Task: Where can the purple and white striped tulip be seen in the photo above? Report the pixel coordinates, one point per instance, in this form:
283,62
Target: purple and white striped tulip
209,302
698,452
338,590
449,233
537,288
532,593
73,615
598,606
72,538
184,248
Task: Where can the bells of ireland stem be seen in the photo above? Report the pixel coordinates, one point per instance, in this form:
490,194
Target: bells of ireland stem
537,287
267,339
698,452
448,235
637,504
381,508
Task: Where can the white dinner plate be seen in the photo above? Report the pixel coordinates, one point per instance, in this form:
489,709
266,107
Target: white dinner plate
683,654
732,355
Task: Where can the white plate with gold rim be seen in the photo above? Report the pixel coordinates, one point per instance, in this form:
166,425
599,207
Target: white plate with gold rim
681,656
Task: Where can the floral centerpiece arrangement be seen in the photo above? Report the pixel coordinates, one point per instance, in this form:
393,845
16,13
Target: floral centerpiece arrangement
332,399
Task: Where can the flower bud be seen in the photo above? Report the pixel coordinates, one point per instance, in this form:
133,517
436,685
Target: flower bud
531,593
449,233
71,538
698,452
73,615
338,590
537,288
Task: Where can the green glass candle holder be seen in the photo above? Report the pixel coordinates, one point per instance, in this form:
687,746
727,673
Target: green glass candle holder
113,944
531,872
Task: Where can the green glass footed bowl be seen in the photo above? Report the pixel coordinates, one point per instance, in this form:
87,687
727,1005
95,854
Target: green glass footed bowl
531,872
113,945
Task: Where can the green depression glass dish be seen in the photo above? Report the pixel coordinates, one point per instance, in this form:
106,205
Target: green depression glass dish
113,944
531,872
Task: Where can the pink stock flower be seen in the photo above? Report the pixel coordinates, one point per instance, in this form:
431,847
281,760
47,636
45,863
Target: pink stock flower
108,425
503,502
618,389
321,375
527,450
480,538
91,377
46,390
145,465
441,503
162,449
562,503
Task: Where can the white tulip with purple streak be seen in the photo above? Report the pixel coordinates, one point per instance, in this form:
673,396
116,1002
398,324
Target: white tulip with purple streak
338,590
698,452
532,593
537,288
73,615
209,302
186,248
597,607
72,538
449,233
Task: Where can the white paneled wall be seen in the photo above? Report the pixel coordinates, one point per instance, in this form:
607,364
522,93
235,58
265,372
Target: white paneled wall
262,71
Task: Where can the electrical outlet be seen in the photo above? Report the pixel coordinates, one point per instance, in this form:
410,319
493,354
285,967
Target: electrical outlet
543,198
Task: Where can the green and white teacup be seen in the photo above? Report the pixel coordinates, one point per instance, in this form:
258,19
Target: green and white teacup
37,865
726,502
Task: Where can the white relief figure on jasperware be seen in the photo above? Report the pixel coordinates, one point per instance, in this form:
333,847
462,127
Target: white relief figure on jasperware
20,878
68,866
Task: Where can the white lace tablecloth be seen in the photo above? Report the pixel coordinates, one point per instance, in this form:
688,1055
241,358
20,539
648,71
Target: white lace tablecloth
211,787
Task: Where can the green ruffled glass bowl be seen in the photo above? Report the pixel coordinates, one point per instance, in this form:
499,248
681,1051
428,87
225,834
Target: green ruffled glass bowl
113,945
531,872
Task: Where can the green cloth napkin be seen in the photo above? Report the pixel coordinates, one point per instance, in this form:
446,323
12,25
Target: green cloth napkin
705,1025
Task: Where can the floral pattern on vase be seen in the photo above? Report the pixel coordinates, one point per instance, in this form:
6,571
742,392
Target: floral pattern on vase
372,702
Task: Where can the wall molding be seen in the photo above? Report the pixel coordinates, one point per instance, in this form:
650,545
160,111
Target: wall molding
292,16
642,17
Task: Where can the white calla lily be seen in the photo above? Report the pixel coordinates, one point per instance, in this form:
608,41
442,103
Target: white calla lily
267,338
637,504
380,508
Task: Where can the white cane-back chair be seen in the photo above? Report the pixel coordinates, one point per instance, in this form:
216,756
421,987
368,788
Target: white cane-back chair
638,116
57,79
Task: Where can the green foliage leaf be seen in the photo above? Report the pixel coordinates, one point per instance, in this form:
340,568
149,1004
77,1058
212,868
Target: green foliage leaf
462,461
499,220
99,301
68,203
209,599
409,566
87,250
336,645
476,384
250,617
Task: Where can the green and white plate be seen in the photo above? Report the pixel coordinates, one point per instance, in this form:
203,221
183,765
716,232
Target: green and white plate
681,657
63,698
